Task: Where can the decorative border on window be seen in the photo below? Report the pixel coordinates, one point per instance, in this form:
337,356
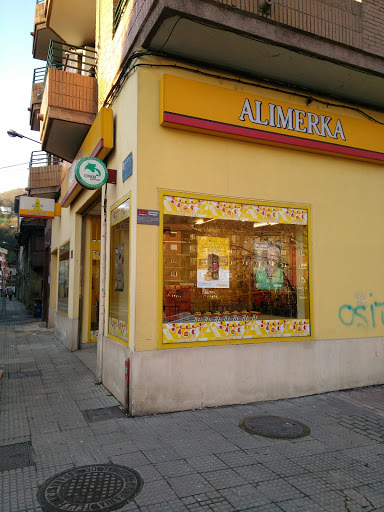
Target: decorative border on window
121,212
233,330
235,327
175,205
118,328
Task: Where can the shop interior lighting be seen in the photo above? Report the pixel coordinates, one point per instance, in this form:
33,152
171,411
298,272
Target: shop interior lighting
203,221
260,224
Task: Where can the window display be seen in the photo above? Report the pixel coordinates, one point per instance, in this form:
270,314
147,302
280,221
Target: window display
119,267
233,271
62,299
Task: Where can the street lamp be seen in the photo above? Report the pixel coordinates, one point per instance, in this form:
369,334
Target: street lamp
13,133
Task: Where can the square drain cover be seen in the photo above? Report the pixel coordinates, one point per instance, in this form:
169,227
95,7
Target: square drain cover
22,375
107,413
15,456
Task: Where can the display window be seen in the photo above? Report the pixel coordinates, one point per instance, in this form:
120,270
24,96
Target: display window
63,288
234,271
119,271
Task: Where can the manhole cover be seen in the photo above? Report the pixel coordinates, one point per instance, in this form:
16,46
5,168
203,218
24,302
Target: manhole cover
15,456
107,413
97,487
275,427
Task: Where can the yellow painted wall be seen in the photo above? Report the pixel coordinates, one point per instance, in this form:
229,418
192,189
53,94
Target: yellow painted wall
345,197
125,126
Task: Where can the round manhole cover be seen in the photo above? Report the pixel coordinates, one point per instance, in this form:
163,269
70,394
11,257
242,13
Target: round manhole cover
99,487
275,427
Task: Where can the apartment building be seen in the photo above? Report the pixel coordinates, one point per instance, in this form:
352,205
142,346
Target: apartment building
233,251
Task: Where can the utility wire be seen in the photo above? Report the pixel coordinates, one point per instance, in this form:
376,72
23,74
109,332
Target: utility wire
14,165
128,68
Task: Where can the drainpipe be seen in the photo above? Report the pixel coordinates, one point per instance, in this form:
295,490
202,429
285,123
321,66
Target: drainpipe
103,252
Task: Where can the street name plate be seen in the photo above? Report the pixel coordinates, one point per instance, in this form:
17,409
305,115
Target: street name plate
151,217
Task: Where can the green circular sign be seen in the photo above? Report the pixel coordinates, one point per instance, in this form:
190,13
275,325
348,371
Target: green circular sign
91,172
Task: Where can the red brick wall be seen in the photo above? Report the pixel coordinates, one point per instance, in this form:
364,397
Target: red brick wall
373,26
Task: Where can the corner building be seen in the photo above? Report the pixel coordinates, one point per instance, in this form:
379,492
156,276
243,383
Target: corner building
234,254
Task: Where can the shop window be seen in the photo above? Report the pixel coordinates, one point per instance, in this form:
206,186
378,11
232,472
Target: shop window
119,271
62,301
242,272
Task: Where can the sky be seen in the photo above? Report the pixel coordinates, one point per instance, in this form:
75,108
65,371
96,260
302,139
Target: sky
16,74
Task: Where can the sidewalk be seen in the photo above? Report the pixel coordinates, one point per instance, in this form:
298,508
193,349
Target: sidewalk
54,416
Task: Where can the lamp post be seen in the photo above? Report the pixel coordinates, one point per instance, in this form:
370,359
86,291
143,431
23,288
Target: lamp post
13,133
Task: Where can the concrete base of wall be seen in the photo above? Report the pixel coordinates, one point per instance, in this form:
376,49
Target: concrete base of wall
66,330
190,378
51,318
113,368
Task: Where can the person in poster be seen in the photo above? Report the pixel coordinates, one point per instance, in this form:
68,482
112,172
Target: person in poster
270,277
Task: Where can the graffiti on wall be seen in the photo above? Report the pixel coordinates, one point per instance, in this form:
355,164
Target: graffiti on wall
367,312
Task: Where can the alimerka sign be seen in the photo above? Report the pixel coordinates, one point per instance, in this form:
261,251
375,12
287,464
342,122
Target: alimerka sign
38,207
292,119
201,107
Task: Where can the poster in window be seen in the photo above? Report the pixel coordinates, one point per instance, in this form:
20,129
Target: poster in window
212,262
119,268
268,270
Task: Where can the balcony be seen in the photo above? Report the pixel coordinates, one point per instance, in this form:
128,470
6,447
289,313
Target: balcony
334,48
69,103
72,20
36,97
45,174
42,34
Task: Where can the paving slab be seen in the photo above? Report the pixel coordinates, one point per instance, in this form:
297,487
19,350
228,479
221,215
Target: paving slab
54,417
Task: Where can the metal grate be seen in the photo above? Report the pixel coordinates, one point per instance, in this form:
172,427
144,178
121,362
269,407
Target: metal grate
23,375
15,456
274,427
93,415
98,487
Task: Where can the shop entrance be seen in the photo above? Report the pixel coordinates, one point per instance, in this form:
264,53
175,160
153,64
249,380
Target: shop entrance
91,275
94,301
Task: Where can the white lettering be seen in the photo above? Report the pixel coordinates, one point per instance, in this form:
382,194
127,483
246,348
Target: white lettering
313,121
339,130
324,120
278,119
258,114
284,122
247,111
299,121
272,114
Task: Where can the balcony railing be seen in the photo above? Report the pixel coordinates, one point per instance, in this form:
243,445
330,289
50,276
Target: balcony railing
72,59
337,21
38,75
45,171
43,159
119,11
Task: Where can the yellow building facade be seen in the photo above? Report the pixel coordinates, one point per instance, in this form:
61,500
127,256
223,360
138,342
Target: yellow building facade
236,256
